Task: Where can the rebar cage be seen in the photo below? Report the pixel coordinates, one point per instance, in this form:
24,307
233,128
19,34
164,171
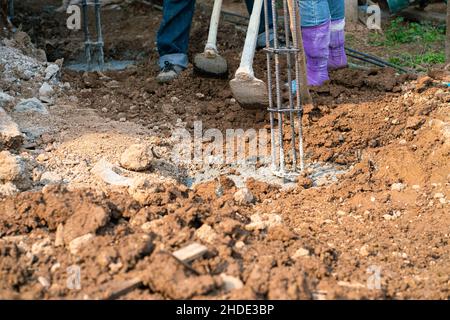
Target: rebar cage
282,66
93,48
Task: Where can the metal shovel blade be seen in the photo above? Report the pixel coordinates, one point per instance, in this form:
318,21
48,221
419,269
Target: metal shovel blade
211,65
250,93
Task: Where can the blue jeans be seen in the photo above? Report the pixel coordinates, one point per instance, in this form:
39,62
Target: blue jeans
173,34
317,12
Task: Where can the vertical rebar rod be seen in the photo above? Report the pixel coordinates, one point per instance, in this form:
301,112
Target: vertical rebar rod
277,87
289,75
273,150
87,38
98,23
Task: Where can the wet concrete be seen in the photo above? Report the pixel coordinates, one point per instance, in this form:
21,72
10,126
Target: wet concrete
320,173
112,65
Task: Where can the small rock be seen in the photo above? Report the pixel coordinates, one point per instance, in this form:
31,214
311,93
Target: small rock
59,236
373,143
36,174
354,285
398,186
115,267
42,157
415,187
10,135
438,195
45,91
136,157
264,221
200,95
190,252
244,196
123,119
230,282
8,189
49,177
5,99
402,142
392,216
55,267
218,191
239,245
147,226
12,167
206,234
302,252
51,71
31,257
49,148
78,243
105,257
44,282
42,247
364,250
104,110
31,105
174,100
26,75
387,217
341,213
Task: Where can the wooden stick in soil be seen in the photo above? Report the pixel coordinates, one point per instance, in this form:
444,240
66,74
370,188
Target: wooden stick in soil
298,42
447,38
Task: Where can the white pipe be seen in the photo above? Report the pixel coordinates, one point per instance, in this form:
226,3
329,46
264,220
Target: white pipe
245,70
211,44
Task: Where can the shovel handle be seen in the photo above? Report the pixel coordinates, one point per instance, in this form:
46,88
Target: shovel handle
211,44
245,69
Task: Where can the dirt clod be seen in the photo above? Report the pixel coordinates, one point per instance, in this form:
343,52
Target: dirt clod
137,157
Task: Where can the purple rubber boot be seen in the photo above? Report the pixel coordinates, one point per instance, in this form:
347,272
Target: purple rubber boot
316,41
337,59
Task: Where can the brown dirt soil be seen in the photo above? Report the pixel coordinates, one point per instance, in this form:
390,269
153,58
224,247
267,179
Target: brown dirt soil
388,212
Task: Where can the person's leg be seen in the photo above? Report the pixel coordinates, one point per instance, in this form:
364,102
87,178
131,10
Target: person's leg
173,34
261,42
315,22
337,9
337,58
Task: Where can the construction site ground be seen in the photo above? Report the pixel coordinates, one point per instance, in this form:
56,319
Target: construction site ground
369,219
